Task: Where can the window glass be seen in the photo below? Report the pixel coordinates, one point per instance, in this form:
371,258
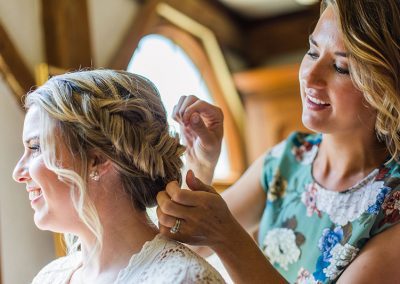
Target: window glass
172,71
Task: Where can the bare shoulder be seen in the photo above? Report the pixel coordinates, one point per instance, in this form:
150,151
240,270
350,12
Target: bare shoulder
378,261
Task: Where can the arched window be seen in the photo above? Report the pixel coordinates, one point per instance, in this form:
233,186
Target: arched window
182,57
173,72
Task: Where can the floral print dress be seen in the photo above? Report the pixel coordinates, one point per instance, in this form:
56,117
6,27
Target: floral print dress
311,234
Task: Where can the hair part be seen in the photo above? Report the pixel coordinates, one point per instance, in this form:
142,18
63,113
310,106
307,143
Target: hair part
371,31
120,116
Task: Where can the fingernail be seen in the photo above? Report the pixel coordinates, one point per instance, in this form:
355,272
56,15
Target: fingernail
195,118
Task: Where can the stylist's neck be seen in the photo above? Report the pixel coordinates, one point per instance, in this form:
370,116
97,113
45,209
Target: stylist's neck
342,161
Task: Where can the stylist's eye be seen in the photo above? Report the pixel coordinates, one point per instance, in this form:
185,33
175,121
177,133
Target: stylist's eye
341,70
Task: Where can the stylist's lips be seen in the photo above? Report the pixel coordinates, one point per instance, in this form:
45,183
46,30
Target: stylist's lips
316,104
34,193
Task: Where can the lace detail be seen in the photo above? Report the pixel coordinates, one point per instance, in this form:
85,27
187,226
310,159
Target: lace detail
166,261
161,260
344,207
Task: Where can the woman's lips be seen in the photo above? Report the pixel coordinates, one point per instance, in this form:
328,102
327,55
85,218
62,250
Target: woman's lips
313,103
34,194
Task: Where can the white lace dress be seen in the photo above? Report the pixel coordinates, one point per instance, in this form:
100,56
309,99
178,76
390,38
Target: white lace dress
160,261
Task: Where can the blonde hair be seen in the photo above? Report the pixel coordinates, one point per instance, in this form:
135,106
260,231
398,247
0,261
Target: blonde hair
371,31
118,114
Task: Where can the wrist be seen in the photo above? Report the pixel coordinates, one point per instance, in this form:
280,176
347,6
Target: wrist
202,172
230,241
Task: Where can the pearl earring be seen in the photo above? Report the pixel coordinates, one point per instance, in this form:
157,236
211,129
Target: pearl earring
94,175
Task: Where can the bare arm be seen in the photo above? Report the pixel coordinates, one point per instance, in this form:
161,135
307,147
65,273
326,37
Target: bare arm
378,261
246,194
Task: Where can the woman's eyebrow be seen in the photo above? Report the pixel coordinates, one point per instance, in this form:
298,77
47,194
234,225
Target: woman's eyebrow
338,53
312,40
28,140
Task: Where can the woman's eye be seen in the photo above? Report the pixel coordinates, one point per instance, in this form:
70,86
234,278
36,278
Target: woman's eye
35,149
341,70
313,55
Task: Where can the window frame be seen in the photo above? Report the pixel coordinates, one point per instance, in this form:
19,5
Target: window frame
201,46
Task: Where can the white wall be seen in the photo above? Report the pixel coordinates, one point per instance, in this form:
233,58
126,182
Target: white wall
24,249
109,22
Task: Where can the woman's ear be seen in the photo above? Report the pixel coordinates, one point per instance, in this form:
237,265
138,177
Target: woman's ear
98,165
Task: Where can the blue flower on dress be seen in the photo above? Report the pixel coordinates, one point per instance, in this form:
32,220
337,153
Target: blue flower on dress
328,240
319,272
374,208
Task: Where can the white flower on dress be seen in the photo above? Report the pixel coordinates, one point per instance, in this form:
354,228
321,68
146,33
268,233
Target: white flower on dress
341,257
309,198
305,277
280,247
347,207
277,150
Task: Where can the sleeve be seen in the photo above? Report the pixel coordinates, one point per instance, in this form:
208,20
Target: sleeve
56,271
389,213
200,271
273,160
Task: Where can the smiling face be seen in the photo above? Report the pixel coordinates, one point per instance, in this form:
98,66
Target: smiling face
331,102
49,197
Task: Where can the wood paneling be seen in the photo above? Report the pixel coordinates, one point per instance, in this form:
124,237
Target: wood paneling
273,106
66,31
279,36
204,12
13,68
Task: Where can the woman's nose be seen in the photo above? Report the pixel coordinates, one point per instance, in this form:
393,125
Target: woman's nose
315,75
21,173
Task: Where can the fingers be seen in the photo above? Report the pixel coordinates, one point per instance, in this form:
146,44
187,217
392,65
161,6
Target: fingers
197,185
198,126
180,107
164,219
170,207
211,113
188,105
181,196
177,107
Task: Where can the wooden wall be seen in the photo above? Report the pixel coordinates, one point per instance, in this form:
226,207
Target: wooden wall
273,106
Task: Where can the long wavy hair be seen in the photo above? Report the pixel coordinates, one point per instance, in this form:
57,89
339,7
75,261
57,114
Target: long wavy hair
118,114
371,31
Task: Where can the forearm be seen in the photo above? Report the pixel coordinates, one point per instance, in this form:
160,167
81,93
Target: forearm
245,262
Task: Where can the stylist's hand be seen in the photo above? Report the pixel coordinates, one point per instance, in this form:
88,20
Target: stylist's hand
202,128
205,217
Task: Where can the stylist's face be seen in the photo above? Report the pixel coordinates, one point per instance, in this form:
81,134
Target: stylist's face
331,102
49,197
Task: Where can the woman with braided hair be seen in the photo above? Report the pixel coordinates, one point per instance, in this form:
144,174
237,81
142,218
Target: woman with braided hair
97,151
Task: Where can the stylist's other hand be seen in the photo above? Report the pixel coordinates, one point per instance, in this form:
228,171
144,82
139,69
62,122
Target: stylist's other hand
205,217
201,125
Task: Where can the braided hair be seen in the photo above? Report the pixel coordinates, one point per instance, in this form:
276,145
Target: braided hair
121,116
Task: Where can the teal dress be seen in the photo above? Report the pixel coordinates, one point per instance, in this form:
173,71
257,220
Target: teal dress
311,234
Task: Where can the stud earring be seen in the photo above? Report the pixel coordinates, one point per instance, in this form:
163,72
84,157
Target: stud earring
94,175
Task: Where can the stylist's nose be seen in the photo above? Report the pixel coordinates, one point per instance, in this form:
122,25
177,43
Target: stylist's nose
314,74
21,173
